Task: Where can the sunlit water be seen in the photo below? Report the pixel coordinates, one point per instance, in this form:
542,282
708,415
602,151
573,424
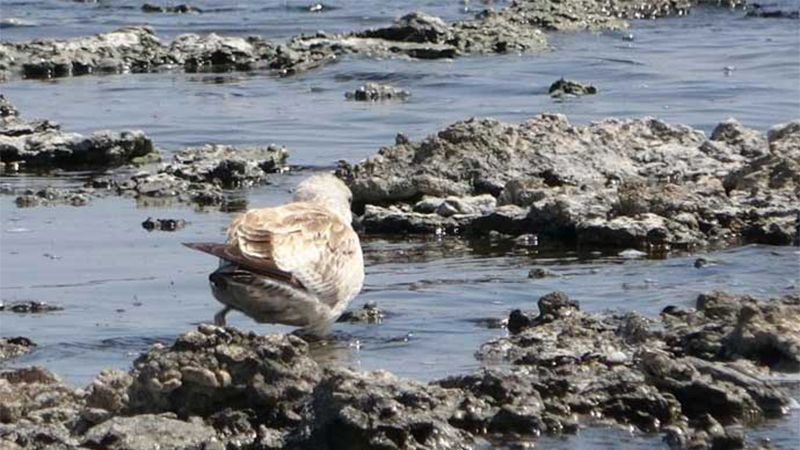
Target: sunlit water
123,288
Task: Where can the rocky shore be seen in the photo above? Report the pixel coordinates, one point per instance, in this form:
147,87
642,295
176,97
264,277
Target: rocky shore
519,27
696,376
620,183
636,183
126,164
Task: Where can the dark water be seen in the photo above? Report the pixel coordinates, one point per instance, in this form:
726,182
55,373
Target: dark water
123,288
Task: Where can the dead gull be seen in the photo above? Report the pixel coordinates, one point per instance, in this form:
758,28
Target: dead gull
296,264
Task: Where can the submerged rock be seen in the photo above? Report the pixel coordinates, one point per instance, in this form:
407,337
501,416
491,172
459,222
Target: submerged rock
180,9
53,196
29,307
15,346
623,183
371,92
369,313
163,224
565,87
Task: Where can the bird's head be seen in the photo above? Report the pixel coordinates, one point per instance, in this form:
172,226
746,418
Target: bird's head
328,190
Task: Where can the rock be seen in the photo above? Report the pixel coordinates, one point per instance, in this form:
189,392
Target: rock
36,396
700,263
640,371
54,149
148,431
107,395
693,374
371,92
541,272
180,9
198,175
213,368
53,196
31,306
7,110
227,166
771,12
15,346
616,183
42,144
378,410
369,313
516,28
413,27
134,49
163,224
564,87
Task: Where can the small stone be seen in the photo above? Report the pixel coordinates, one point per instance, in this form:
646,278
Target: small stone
541,272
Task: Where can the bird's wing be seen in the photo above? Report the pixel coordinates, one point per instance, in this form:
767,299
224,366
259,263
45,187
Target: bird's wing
305,240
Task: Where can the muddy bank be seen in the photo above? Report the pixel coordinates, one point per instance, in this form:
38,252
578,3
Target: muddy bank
517,28
621,183
694,375
125,163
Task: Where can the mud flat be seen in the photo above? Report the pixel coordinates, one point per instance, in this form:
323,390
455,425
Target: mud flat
520,27
695,375
619,183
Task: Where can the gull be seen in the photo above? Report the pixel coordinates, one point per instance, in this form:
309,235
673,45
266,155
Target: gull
297,264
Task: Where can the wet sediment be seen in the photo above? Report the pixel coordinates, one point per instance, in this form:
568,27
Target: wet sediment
695,375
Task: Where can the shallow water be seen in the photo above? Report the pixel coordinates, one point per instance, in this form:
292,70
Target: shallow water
123,288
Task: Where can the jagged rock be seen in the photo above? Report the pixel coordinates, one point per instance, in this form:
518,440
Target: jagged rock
147,431
624,183
214,368
40,144
371,92
15,346
31,306
565,87
180,9
626,369
378,410
163,224
53,196
227,166
369,313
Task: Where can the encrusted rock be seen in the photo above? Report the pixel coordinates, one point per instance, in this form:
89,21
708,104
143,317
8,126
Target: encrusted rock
31,306
369,313
12,347
148,431
565,87
371,92
378,410
163,224
623,183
